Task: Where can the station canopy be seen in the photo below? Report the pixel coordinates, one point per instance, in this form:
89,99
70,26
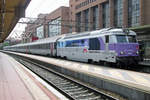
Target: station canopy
10,13
141,29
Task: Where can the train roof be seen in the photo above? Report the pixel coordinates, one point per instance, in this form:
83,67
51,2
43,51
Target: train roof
41,41
102,32
82,35
47,40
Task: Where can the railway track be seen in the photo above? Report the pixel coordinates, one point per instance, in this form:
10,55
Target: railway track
68,87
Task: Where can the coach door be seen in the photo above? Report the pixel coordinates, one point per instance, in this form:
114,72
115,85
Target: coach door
51,49
106,42
94,48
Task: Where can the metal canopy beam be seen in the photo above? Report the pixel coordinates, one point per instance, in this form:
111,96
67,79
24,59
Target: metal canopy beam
141,28
10,12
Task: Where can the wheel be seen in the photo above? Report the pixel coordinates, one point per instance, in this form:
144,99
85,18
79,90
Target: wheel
90,61
119,64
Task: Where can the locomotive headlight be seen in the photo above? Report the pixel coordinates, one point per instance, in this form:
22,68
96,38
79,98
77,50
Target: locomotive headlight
121,52
137,52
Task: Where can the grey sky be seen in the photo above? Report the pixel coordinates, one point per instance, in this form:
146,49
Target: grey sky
44,6
36,7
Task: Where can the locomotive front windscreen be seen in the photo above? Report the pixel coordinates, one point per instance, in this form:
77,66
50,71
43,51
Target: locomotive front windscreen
126,39
121,39
131,39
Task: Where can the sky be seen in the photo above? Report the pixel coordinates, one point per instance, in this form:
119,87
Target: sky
36,7
44,6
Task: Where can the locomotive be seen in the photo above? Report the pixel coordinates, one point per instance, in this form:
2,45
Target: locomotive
114,45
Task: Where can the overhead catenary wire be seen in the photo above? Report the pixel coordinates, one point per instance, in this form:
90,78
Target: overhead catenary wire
64,23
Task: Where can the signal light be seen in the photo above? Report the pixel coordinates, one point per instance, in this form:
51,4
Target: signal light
137,47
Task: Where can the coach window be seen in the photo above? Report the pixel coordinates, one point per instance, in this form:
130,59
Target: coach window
94,44
42,46
58,45
47,45
75,43
68,43
82,42
107,39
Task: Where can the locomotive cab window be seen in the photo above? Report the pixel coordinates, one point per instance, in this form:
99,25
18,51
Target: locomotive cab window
121,39
132,39
94,44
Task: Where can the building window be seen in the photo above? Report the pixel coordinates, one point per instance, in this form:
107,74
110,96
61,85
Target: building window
55,27
86,12
118,13
133,12
78,22
40,32
85,3
95,17
106,17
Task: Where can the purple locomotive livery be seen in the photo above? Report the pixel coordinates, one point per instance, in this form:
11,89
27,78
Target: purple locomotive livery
108,45
126,52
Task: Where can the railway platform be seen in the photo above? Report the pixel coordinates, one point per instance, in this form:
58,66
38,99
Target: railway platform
130,84
18,83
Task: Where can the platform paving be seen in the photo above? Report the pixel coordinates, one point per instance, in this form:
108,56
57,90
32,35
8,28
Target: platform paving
17,84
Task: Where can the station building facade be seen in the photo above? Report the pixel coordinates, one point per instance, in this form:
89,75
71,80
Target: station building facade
96,14
88,15
48,25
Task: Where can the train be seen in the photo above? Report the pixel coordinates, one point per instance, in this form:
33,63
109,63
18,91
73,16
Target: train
112,45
